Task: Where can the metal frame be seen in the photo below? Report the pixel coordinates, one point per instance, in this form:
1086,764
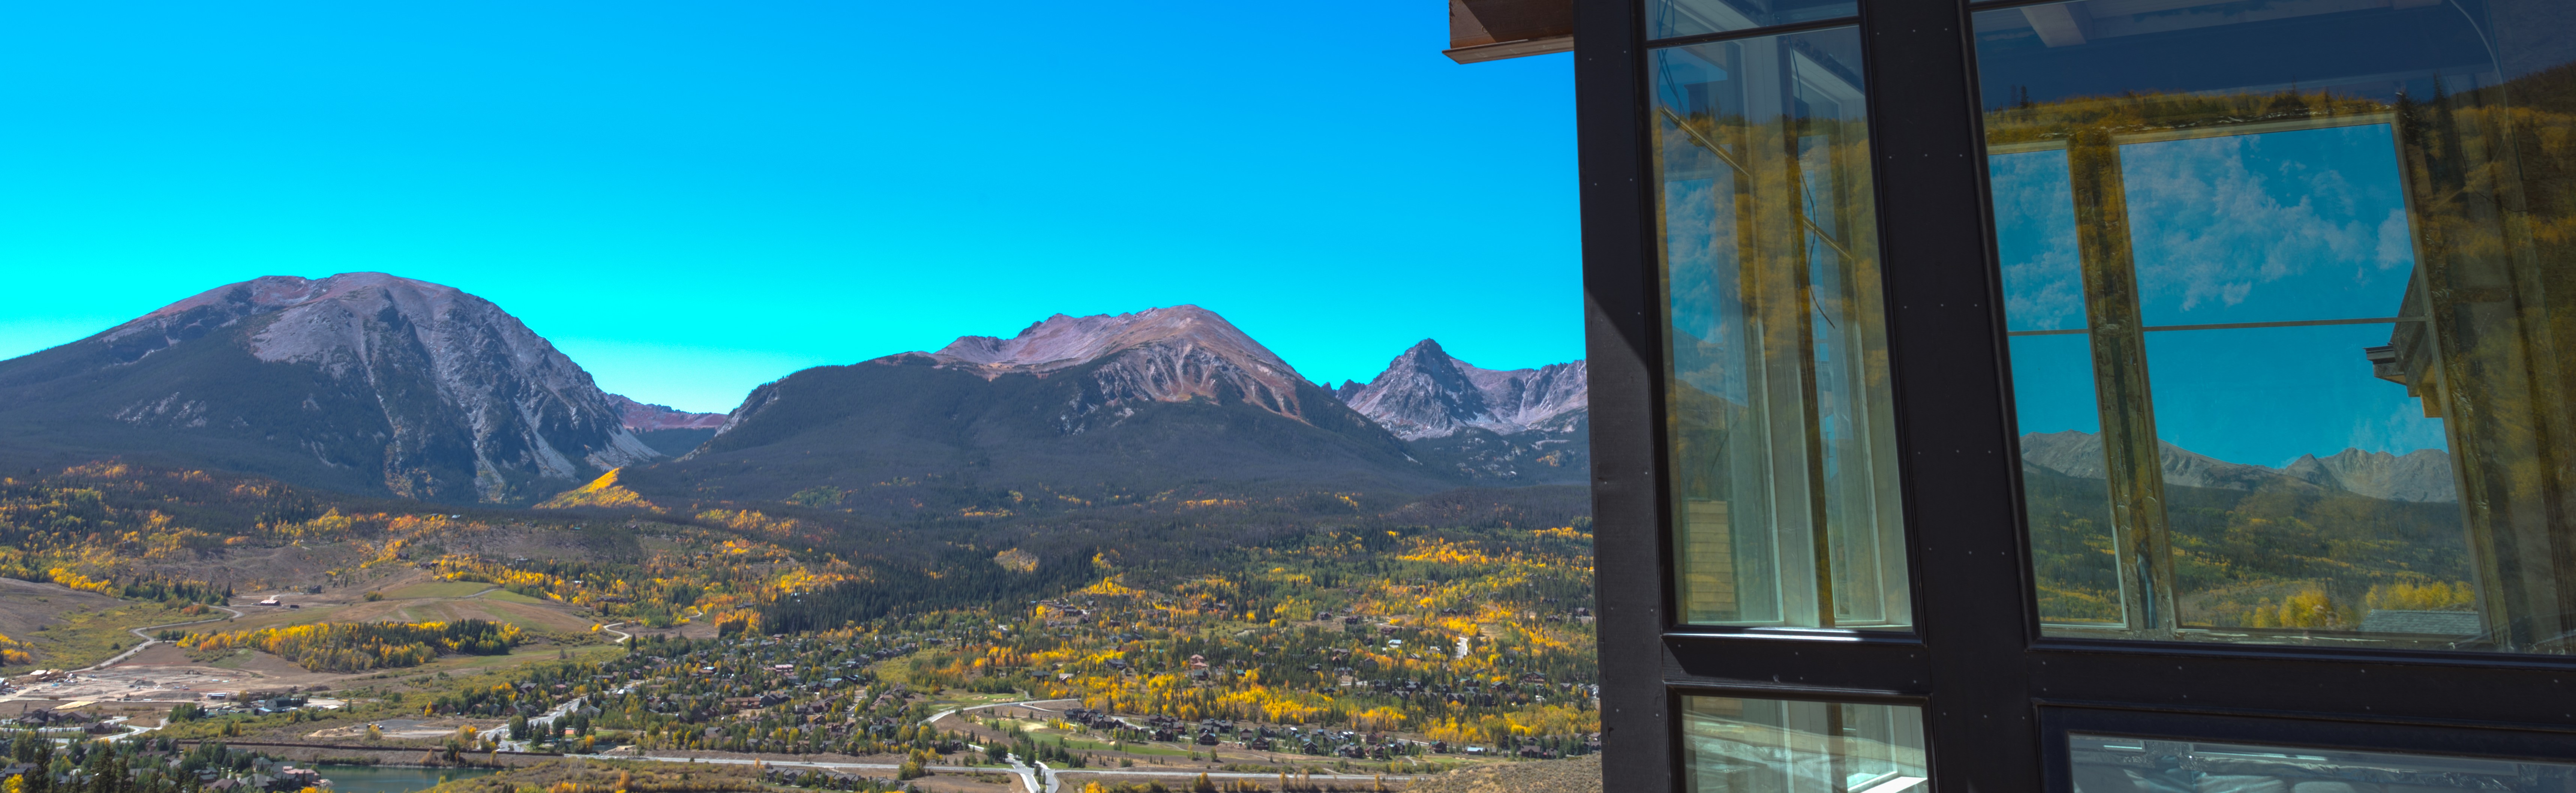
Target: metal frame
1997,696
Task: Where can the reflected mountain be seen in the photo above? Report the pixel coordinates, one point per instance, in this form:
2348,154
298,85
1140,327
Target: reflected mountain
2422,475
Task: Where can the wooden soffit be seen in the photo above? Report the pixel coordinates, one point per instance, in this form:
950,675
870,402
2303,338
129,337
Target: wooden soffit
1489,30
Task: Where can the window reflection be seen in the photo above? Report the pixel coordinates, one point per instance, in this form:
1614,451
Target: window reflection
2114,764
2285,283
1672,18
1787,510
1778,746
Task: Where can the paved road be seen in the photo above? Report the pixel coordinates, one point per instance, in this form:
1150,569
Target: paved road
622,636
149,641
1030,704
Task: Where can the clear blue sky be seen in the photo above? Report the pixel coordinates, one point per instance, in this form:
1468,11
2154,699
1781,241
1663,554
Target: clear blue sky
692,199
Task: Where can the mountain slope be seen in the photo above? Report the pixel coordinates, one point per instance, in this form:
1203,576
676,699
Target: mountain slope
668,430
1083,406
1495,426
362,382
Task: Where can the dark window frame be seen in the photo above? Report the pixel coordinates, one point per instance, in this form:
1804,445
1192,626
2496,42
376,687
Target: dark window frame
1997,696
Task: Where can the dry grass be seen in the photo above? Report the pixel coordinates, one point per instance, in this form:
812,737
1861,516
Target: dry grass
592,776
1579,775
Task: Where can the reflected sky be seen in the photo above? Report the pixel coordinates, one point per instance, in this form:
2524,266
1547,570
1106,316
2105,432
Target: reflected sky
2276,227
2035,239
2299,225
2265,396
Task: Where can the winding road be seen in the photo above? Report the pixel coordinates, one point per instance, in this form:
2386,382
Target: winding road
148,641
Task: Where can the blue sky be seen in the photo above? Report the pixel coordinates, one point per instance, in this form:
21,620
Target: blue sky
2284,226
692,199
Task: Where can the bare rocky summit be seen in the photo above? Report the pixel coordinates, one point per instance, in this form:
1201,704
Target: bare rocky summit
1174,354
360,381
1425,393
1489,424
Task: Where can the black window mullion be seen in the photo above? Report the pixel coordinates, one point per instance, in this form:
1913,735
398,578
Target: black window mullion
1972,605
1624,352
1885,667
2284,680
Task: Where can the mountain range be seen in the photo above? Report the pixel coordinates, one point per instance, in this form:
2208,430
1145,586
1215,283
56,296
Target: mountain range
2422,475
374,384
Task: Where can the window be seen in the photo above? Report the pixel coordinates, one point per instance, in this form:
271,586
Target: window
1785,746
1787,507
2122,764
2116,396
2285,288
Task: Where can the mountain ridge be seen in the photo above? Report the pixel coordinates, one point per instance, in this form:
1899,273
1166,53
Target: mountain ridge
2422,475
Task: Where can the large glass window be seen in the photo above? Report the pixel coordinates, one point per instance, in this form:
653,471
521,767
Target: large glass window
1787,511
1780,746
2117,764
2285,286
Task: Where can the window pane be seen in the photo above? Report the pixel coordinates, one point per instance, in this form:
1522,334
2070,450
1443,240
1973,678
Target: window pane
2112,764
1670,18
1784,454
1778,746
2285,284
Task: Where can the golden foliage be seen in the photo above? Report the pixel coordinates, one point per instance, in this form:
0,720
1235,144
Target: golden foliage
601,492
357,646
1017,560
2427,596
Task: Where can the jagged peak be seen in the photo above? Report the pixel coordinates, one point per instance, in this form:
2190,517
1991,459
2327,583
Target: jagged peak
1427,393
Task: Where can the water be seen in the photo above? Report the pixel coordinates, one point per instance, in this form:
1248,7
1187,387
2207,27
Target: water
382,779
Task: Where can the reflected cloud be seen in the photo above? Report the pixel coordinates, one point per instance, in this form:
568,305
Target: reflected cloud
2035,238
2305,224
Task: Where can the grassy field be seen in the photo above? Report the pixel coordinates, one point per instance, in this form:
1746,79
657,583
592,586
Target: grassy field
507,596
438,589
88,636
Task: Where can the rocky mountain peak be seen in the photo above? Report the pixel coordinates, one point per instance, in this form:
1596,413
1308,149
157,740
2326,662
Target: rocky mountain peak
1426,393
227,305
1061,342
441,394
2419,475
1173,354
